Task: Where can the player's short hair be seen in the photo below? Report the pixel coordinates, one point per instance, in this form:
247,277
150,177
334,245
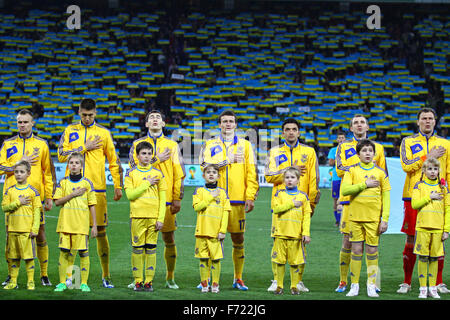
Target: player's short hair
24,163
87,104
430,162
227,113
340,133
211,165
290,120
426,110
293,170
75,155
358,115
152,112
364,143
144,145
23,112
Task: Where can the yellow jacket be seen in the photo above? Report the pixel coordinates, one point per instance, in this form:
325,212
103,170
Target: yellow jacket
283,156
73,139
172,168
43,177
240,180
346,157
413,152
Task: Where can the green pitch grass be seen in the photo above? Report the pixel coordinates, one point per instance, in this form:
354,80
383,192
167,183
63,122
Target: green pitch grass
321,274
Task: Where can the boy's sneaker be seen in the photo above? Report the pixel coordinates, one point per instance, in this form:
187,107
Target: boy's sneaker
423,292
60,287
131,285
278,291
7,280
171,284
341,287
442,288
85,288
200,284
354,290
404,288
273,286
106,282
239,284
138,286
295,291
372,291
30,285
301,287
10,286
432,292
215,288
205,287
45,281
148,287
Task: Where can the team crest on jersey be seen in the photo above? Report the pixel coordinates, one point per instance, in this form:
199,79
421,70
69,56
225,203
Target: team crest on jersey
280,159
73,136
11,151
215,150
36,150
416,148
350,153
304,158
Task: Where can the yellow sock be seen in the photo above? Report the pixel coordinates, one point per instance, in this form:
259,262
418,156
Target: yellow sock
432,272
170,257
42,255
29,265
137,264
301,270
15,266
204,270
422,268
70,261
281,269
84,266
150,264
63,257
274,270
295,275
103,252
215,271
238,254
372,267
344,263
355,267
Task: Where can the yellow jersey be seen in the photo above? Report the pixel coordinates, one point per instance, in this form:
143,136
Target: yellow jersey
283,156
240,180
144,198
366,203
42,177
212,214
73,139
290,222
346,157
22,218
173,168
432,215
75,214
413,152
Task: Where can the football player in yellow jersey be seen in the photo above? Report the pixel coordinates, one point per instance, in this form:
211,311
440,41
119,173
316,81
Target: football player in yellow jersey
291,229
146,188
76,195
415,150
346,156
369,190
293,153
29,147
239,177
22,206
213,207
96,145
431,199
167,159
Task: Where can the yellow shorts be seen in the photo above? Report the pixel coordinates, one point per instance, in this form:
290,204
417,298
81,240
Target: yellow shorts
208,248
428,244
236,219
21,246
170,221
288,250
143,232
365,231
344,225
101,211
72,241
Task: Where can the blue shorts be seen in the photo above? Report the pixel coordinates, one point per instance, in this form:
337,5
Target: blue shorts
335,188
